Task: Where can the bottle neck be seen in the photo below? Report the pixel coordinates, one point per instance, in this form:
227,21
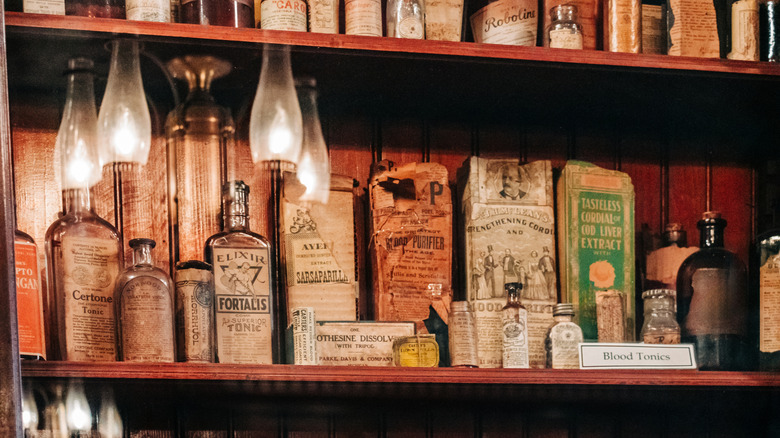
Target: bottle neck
142,256
711,236
76,201
513,298
562,318
236,215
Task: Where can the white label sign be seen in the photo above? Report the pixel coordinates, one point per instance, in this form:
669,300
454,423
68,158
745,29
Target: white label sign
636,356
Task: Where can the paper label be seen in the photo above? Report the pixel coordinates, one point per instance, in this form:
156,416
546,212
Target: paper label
653,29
363,17
149,10
512,22
565,338
714,310
463,339
29,302
283,15
195,315
565,39
52,7
146,312
769,286
324,16
637,356
359,343
744,30
693,30
242,286
514,332
443,20
623,19
319,247
90,268
303,336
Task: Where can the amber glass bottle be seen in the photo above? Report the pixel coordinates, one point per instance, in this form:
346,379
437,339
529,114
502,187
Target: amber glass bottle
712,300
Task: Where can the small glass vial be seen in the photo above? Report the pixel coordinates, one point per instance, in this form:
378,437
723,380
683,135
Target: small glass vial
406,19
144,300
564,31
514,329
463,336
660,325
563,339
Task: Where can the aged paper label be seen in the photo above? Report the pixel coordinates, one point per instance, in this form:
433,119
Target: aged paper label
512,22
509,237
29,302
610,316
693,30
744,30
653,29
359,343
319,249
324,16
564,346
463,339
283,15
565,39
624,20
195,315
242,281
52,7
714,310
443,20
146,321
596,236
514,332
304,345
769,305
363,17
90,268
149,10
411,242
662,264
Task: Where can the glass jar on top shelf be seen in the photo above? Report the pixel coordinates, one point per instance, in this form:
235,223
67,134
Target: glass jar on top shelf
564,31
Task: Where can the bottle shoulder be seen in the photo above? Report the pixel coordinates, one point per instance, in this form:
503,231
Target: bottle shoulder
711,258
139,272
81,225
237,239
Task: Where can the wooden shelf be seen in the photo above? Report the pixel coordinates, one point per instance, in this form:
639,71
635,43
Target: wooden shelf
292,373
70,25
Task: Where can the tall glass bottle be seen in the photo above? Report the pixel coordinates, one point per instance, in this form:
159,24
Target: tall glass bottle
244,304
199,132
514,321
144,307
29,298
712,300
83,251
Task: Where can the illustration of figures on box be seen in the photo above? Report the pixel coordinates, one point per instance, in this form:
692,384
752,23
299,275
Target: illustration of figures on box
537,274
303,223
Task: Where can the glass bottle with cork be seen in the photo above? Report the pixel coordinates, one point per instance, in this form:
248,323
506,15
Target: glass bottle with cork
712,301
243,285
514,329
144,306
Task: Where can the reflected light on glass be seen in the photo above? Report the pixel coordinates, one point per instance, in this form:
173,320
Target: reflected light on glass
314,164
275,128
124,124
77,408
109,420
29,411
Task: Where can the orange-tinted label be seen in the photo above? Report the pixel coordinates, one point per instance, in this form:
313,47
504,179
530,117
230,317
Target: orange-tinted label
29,307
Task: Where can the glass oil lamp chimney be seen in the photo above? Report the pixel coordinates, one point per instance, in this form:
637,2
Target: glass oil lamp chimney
124,125
314,164
199,133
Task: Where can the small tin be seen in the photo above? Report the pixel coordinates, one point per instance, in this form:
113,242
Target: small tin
416,351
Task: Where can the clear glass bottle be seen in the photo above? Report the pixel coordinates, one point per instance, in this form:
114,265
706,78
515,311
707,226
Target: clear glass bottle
83,251
199,133
563,338
406,19
243,285
29,298
564,31
712,301
231,13
660,325
144,306
514,329
462,327
286,15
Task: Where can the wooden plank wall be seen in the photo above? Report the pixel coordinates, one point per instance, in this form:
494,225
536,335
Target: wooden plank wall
676,177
